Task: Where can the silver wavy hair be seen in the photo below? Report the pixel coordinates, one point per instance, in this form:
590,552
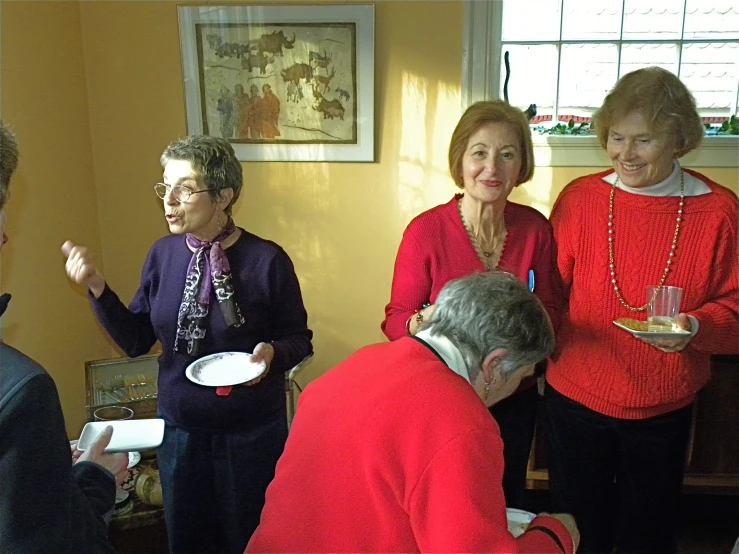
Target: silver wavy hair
485,311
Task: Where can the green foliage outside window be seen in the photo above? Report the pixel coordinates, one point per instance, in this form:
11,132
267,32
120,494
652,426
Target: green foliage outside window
728,127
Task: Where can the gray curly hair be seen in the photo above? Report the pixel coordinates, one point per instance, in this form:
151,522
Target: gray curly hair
485,311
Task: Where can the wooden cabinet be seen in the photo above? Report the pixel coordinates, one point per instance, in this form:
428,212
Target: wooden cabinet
712,464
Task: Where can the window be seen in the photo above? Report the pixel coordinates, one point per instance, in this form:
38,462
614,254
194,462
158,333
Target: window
566,68
565,55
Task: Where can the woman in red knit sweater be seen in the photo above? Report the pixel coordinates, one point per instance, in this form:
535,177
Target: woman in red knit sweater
490,153
620,407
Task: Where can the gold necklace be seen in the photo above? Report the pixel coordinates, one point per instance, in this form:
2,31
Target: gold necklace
669,258
490,258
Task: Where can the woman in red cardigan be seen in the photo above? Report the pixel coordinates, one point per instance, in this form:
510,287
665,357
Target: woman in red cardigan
490,153
371,465
620,406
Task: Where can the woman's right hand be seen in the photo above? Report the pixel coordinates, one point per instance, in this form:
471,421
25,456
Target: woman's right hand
81,269
414,324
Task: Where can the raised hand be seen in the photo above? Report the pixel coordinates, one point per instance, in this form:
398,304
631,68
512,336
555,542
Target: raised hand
81,269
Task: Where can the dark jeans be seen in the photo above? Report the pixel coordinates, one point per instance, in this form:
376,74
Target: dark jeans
213,485
620,478
516,417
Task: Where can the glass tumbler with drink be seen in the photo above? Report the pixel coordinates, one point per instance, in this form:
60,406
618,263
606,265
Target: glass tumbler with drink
662,308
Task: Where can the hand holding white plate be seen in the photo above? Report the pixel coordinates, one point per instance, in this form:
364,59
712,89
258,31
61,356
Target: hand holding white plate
224,369
653,334
128,435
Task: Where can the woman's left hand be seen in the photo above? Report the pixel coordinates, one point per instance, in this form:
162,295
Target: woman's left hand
263,352
676,344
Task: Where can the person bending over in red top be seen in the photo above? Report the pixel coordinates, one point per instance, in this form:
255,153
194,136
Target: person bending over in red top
371,465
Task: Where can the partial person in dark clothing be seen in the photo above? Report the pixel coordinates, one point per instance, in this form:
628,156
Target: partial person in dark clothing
209,287
47,503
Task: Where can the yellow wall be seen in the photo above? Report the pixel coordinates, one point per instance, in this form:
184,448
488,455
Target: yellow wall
94,91
44,100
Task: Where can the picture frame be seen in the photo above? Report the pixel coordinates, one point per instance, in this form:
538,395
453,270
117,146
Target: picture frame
282,83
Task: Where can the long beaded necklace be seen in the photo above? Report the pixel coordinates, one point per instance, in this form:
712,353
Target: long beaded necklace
672,248
490,258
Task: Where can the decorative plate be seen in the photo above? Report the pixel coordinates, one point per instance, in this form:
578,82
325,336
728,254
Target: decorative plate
518,520
133,459
224,369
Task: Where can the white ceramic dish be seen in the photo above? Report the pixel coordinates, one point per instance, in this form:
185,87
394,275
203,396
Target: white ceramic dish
652,334
224,369
518,520
128,435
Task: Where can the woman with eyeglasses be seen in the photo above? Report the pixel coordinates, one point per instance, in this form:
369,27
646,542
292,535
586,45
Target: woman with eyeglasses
209,287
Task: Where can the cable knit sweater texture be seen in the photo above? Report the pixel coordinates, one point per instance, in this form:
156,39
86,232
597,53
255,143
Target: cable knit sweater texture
604,367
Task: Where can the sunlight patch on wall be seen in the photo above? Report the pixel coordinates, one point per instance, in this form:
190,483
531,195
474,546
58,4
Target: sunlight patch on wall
413,153
537,193
446,115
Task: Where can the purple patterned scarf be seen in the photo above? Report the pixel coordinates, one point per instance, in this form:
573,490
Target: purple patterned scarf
209,259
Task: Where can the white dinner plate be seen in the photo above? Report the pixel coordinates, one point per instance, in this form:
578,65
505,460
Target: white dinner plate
129,435
224,369
518,520
653,334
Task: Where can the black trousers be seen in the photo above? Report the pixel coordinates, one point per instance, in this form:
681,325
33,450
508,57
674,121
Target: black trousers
213,485
621,479
516,417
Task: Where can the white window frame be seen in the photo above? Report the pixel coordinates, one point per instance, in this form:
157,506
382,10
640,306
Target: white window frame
481,55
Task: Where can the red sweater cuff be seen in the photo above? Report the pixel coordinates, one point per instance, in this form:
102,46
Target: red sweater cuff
558,528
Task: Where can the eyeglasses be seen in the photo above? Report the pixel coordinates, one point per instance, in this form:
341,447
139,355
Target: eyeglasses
180,193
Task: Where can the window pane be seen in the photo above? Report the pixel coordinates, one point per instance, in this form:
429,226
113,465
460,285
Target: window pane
524,22
533,78
714,19
636,56
591,20
653,19
710,72
588,71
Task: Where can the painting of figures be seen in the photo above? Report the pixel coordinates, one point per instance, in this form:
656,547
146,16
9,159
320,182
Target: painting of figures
281,87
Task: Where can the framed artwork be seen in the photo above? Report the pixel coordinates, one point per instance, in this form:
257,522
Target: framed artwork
282,83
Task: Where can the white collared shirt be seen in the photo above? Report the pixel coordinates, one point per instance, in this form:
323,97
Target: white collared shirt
448,352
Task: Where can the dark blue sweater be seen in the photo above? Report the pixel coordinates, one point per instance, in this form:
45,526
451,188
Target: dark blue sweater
268,294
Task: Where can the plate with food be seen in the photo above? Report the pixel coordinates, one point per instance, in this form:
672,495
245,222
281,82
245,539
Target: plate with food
518,520
640,329
224,369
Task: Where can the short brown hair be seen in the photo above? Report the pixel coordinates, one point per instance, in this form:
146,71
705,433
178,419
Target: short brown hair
482,113
664,101
8,161
213,159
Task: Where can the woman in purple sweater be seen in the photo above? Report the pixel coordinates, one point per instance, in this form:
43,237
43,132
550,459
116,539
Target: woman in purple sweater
209,287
